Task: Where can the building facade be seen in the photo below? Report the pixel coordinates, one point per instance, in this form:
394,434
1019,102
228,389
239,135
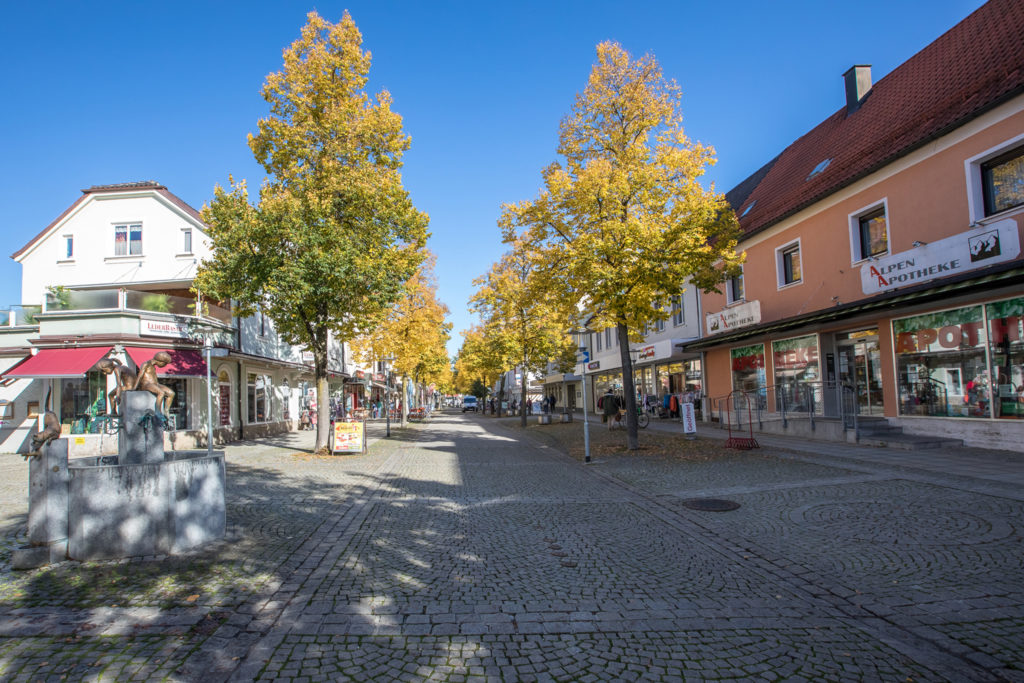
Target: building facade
111,277
884,272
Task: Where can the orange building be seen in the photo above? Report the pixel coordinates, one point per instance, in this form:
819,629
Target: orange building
884,276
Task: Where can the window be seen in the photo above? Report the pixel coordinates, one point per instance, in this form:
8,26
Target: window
69,247
678,315
734,289
598,335
259,406
186,241
6,410
659,325
263,324
608,337
789,264
869,232
1002,181
128,240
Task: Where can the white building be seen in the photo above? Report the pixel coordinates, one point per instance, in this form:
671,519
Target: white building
111,278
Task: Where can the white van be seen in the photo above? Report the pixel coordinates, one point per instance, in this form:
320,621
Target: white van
469,403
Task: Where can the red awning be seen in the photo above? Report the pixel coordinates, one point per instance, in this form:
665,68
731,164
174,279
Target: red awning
184,362
59,362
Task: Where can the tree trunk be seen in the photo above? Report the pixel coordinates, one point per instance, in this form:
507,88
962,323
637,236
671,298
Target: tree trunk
501,391
632,428
522,399
323,409
405,400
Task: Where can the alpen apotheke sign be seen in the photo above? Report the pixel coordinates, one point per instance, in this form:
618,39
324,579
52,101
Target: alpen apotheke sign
748,313
983,246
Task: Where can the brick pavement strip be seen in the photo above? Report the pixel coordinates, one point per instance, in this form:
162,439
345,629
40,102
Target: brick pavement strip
463,549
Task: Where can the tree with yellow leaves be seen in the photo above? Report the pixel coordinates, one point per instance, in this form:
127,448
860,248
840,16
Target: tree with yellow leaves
478,363
525,326
334,237
623,222
414,333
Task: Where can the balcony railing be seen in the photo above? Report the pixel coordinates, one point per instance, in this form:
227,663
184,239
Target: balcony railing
17,316
131,300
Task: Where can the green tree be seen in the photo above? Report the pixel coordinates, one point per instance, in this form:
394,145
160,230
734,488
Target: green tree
623,221
413,333
334,237
529,327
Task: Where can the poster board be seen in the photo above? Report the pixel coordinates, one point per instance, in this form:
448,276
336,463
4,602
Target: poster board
348,436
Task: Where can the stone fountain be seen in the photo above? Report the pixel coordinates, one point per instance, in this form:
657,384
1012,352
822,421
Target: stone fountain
141,501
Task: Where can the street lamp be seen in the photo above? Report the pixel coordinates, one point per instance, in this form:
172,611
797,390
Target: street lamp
581,336
387,393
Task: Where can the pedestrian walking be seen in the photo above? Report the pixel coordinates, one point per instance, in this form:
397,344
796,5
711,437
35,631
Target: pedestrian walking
609,408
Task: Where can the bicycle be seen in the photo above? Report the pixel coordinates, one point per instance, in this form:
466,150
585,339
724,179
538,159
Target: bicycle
642,418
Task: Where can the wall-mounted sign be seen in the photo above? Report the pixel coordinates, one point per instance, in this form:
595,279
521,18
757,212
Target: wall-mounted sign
646,353
307,357
983,246
594,365
163,328
741,315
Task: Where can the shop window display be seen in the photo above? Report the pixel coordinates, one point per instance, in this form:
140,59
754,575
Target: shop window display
748,374
1006,348
797,374
82,400
941,367
179,411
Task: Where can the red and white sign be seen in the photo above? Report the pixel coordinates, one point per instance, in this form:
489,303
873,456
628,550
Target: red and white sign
689,419
163,328
741,315
978,248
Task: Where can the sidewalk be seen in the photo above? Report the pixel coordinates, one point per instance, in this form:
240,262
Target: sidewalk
976,463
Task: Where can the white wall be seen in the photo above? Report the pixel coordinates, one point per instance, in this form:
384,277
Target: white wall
92,226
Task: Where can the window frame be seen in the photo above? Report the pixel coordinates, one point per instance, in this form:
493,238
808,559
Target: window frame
186,241
678,311
730,292
781,253
975,178
856,219
128,225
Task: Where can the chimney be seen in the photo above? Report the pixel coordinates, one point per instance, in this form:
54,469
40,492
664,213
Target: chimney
858,85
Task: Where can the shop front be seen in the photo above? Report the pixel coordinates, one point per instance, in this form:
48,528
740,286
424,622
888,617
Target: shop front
963,362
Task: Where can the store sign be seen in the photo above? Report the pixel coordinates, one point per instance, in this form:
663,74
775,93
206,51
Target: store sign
595,365
745,314
689,419
379,377
307,357
747,358
163,328
984,246
646,353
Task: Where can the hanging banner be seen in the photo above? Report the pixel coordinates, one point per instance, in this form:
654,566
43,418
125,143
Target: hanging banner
983,246
348,436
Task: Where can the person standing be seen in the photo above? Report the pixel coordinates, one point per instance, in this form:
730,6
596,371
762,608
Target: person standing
609,407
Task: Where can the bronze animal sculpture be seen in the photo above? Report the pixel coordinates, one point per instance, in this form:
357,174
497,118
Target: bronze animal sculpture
147,381
124,381
50,431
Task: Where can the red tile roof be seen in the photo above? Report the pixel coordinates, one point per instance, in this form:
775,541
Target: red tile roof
107,189
973,67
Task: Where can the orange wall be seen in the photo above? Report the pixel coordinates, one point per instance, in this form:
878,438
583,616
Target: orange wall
925,202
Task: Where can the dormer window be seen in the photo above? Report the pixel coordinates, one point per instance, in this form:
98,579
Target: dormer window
128,239
819,168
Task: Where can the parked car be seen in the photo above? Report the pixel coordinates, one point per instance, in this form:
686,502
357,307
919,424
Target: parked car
469,403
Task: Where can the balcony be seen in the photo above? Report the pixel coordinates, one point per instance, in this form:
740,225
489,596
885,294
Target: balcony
98,300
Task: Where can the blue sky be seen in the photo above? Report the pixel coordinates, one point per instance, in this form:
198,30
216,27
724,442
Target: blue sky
100,93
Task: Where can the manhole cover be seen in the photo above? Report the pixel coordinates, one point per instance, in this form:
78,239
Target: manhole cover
711,504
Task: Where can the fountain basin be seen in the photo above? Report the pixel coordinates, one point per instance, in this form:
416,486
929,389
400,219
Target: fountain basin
122,510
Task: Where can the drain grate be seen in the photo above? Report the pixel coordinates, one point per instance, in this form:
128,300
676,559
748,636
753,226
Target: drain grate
711,504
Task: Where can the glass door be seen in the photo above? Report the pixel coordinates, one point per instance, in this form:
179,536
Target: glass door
859,366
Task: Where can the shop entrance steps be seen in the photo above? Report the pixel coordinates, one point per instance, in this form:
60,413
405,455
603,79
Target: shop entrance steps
876,431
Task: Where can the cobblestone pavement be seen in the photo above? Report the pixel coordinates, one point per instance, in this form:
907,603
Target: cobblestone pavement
463,549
